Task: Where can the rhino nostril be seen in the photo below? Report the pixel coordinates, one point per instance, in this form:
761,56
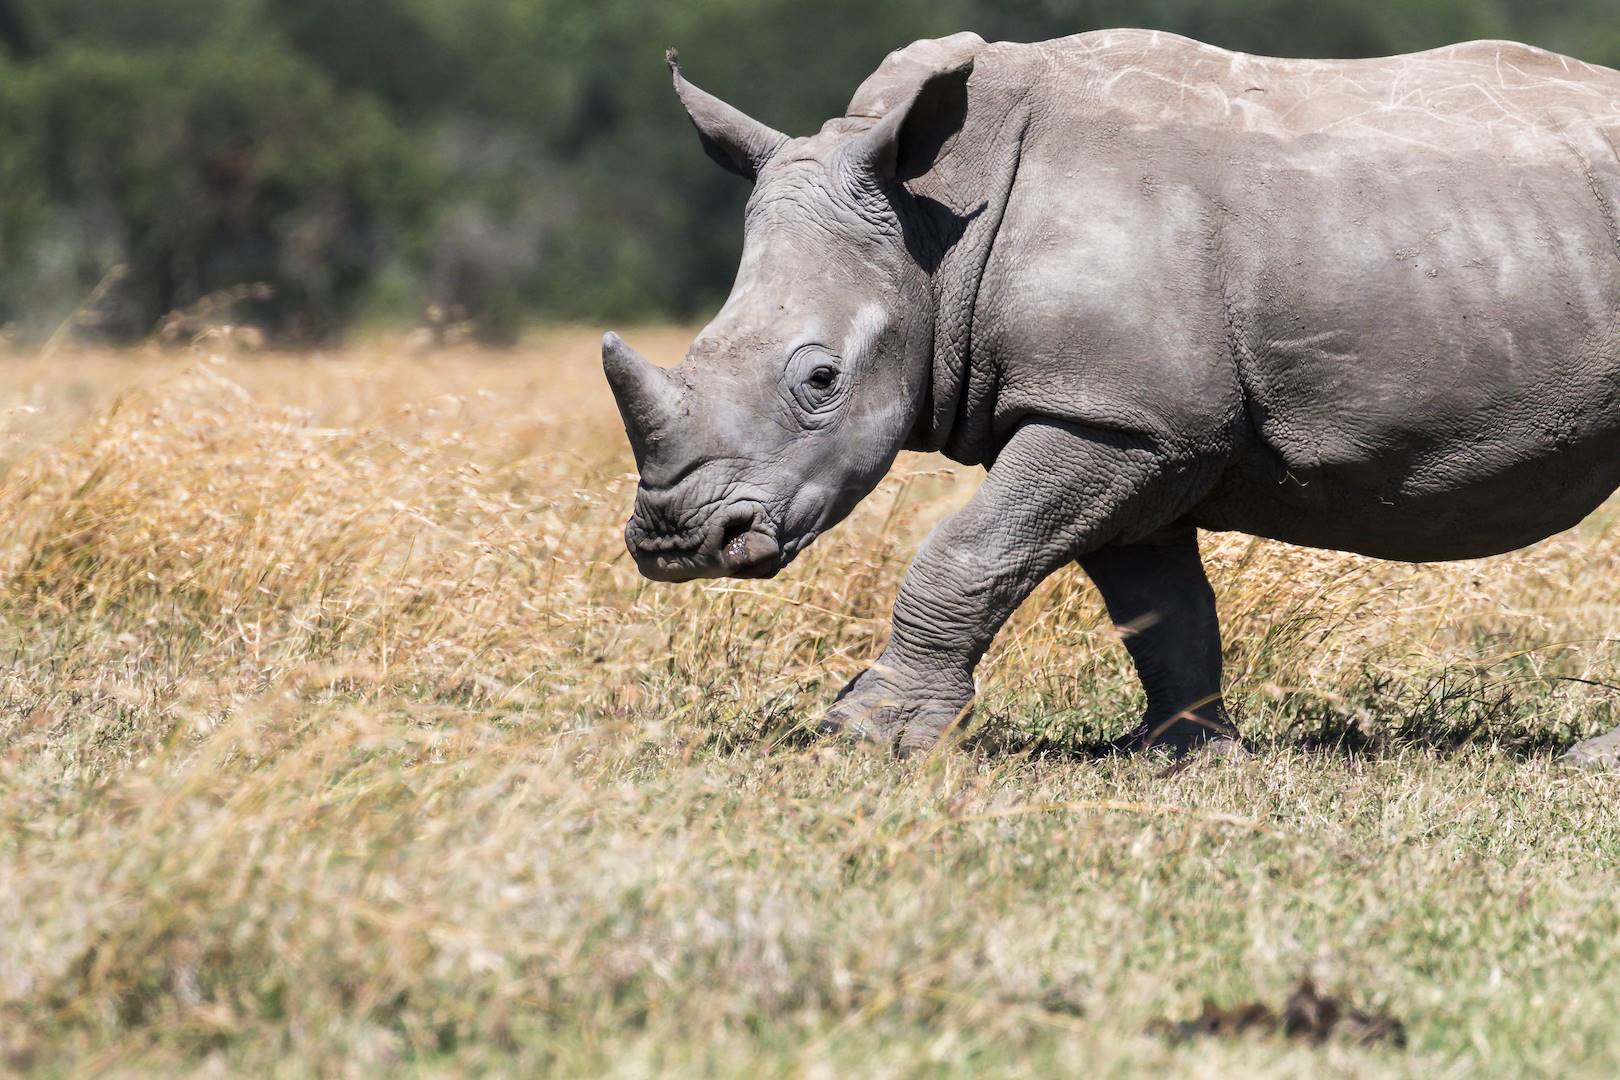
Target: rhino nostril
735,537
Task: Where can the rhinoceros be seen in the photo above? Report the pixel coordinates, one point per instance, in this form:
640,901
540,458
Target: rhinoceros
1153,287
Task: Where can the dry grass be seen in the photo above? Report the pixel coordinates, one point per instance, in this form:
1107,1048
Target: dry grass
338,735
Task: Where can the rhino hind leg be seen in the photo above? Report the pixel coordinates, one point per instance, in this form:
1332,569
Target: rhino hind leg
1601,752
1159,597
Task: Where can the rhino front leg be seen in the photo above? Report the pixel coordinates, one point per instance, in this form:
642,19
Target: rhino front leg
1158,596
1055,492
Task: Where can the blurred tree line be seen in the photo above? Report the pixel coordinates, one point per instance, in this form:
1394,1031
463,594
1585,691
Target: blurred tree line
509,159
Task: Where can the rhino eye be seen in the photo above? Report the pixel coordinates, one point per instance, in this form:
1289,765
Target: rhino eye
819,388
814,378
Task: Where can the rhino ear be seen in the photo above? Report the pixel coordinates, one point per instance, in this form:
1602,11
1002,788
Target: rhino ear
735,140
907,141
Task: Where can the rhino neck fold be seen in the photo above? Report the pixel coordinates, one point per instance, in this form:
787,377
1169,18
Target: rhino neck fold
955,415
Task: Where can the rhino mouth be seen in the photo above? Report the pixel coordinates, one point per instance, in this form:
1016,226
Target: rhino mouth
737,543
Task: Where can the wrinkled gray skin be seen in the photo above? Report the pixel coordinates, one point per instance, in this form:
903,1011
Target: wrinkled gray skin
1153,286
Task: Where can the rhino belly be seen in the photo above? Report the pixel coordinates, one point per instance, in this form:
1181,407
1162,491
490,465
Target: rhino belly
1446,508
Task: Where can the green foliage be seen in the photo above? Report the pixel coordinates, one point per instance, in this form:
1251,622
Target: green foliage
198,167
506,158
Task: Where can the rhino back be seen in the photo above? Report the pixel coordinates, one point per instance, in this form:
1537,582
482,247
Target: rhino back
1375,304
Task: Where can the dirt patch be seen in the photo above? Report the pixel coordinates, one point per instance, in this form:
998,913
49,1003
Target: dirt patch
1308,1015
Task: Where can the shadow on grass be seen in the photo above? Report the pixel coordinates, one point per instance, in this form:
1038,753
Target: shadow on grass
1449,711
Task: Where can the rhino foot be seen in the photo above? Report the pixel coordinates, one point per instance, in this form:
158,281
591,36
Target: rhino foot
1602,752
878,708
1211,735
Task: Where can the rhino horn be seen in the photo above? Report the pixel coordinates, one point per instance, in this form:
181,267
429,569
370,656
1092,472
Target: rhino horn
646,396
735,140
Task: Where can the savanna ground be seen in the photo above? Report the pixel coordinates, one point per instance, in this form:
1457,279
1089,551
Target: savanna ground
338,735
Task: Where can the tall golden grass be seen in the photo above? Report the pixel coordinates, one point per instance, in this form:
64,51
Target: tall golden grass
339,734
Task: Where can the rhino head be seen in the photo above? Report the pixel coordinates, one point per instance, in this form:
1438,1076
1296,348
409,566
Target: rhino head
793,402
